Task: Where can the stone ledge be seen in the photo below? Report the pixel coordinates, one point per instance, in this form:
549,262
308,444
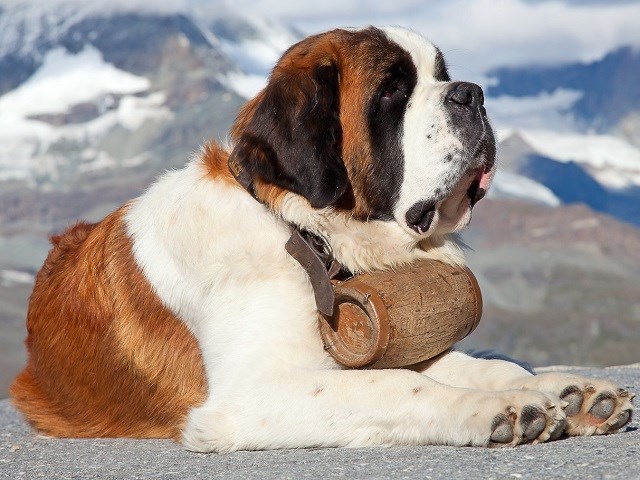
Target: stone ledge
26,455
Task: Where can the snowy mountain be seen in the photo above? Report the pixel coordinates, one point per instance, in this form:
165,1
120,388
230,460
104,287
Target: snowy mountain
134,41
87,91
532,176
91,93
581,126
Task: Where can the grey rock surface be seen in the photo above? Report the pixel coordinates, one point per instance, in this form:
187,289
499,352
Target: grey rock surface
25,455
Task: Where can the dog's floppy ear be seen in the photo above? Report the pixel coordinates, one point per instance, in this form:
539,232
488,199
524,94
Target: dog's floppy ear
290,134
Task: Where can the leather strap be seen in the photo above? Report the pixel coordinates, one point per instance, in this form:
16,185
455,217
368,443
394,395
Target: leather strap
315,256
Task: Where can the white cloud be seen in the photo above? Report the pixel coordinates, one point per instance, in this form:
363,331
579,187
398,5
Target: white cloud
546,110
476,35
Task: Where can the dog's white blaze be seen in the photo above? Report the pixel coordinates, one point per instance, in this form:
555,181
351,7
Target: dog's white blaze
426,138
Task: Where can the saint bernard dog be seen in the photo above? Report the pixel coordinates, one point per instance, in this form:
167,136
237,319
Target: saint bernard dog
181,315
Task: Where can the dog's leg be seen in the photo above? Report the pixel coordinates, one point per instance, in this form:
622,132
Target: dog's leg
355,408
595,406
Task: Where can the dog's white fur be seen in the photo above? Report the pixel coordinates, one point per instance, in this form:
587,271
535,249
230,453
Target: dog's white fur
216,258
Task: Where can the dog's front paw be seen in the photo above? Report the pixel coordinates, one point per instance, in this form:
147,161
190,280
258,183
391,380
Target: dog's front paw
596,407
520,416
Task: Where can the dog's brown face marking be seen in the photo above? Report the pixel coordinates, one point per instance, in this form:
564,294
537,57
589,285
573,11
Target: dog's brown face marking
374,100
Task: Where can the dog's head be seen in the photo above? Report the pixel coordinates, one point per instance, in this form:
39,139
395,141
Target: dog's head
369,123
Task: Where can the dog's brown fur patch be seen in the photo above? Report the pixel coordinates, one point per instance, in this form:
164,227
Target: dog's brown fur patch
106,359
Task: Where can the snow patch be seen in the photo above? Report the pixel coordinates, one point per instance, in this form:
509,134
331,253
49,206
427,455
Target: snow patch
101,161
511,185
601,151
134,111
616,178
255,57
26,25
245,85
65,80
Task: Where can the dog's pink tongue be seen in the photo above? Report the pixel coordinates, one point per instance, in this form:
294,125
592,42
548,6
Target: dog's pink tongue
484,178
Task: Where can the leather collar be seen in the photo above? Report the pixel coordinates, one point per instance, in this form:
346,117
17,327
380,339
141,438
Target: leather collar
315,256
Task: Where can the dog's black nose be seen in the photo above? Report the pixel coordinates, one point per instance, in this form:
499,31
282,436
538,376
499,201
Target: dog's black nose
465,93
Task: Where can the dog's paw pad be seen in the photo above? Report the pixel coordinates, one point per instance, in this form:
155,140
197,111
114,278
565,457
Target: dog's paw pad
594,406
619,422
502,429
530,417
533,421
574,397
603,406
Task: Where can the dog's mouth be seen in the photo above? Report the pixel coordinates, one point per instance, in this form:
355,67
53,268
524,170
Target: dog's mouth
481,182
420,216
469,190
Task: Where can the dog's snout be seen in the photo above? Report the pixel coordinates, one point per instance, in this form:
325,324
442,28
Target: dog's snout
465,93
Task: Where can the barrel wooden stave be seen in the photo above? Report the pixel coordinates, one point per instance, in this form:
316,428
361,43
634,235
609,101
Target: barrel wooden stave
420,311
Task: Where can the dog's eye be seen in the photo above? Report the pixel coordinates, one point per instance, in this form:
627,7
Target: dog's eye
392,91
389,92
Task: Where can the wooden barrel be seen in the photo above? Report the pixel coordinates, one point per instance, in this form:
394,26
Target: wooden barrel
401,317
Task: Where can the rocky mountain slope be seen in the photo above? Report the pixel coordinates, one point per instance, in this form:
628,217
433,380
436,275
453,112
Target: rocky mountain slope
569,182
561,285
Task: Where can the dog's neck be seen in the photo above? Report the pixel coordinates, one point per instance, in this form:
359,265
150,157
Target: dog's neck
366,246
